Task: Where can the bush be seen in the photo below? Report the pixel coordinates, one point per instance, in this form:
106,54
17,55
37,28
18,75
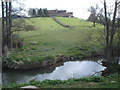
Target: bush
97,79
29,27
113,75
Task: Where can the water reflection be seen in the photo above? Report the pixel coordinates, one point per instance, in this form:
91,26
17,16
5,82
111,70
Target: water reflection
119,60
74,70
70,69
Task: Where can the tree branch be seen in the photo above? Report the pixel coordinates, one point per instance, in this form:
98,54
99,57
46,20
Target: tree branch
100,41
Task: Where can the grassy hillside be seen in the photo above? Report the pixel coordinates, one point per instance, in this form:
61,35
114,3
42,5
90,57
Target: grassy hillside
78,23
53,39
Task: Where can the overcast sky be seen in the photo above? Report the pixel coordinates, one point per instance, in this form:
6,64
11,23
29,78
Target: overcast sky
78,7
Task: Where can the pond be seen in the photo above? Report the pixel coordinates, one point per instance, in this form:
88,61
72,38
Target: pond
70,69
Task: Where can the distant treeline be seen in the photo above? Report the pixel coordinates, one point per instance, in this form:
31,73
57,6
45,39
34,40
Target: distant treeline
35,12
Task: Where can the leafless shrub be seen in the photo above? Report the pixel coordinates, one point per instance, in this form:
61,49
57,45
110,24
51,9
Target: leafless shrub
29,27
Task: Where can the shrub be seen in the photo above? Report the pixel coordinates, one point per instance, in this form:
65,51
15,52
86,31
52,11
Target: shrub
33,48
29,27
113,75
97,79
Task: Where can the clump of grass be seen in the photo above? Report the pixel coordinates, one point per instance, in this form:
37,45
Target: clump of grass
82,52
88,79
29,59
54,82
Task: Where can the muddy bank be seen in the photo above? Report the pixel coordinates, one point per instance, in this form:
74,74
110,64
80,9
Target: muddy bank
42,64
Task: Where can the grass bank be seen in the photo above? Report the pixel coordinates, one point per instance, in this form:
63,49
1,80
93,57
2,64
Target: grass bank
111,81
49,39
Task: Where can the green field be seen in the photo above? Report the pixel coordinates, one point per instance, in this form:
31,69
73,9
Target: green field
53,39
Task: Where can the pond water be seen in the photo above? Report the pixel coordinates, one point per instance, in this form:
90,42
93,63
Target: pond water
70,69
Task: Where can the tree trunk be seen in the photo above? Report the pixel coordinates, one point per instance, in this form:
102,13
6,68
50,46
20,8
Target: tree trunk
3,29
108,53
106,25
110,33
9,29
94,24
113,25
6,27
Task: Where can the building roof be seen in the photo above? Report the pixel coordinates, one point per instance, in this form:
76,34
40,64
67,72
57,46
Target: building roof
63,13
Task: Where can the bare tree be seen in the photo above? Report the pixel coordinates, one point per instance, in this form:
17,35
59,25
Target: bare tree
6,25
93,16
110,31
7,11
